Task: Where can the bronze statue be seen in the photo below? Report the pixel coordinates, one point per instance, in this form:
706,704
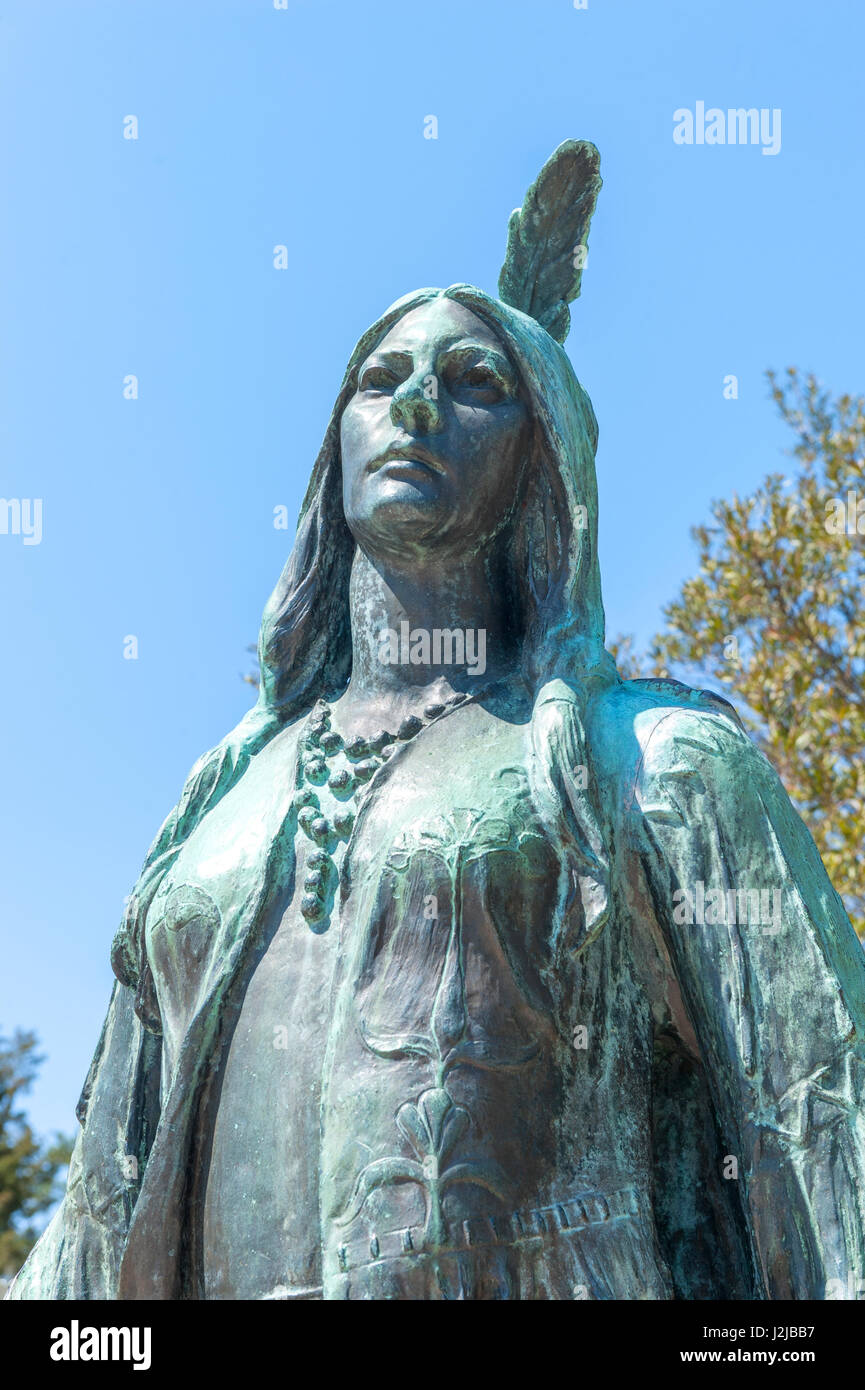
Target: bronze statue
464,969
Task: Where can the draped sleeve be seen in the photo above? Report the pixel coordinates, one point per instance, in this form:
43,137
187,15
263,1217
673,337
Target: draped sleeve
773,978
78,1255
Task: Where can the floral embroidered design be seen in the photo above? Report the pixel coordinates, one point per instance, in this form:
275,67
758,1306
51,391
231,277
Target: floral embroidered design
434,1124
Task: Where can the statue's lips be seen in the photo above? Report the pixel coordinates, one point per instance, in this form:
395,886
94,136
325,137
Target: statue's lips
410,460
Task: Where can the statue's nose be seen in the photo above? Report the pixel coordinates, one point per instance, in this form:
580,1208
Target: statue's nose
414,409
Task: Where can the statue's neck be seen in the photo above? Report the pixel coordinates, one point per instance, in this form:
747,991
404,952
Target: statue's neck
422,634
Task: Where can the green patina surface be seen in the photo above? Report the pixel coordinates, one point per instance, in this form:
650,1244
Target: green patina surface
463,968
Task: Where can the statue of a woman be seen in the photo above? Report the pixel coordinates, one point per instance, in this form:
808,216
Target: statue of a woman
464,969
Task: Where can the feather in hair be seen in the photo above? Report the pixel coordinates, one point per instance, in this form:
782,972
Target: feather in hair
542,270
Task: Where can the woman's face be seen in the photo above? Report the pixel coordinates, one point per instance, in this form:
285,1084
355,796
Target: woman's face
435,438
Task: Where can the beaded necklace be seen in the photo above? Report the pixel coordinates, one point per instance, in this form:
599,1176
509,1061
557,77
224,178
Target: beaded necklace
347,768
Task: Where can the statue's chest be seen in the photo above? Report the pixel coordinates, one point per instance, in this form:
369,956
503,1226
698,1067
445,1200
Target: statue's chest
436,898
444,839
451,876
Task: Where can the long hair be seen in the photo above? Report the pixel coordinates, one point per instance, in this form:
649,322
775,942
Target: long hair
304,647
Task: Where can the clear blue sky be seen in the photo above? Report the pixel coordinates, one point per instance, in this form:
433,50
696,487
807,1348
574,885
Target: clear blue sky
154,257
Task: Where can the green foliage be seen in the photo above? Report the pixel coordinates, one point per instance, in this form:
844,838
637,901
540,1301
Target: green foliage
773,618
29,1169
253,677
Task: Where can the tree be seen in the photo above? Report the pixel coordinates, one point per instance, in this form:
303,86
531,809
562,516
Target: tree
774,618
253,677
29,1169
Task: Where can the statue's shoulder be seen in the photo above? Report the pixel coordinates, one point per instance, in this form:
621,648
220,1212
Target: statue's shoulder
643,728
239,780
267,772
654,701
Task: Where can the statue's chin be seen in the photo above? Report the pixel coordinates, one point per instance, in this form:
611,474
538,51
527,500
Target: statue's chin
402,509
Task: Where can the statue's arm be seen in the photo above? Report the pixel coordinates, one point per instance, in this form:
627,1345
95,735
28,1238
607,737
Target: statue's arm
775,989
78,1254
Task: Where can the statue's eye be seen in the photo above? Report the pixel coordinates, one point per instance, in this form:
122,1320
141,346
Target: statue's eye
377,379
483,380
